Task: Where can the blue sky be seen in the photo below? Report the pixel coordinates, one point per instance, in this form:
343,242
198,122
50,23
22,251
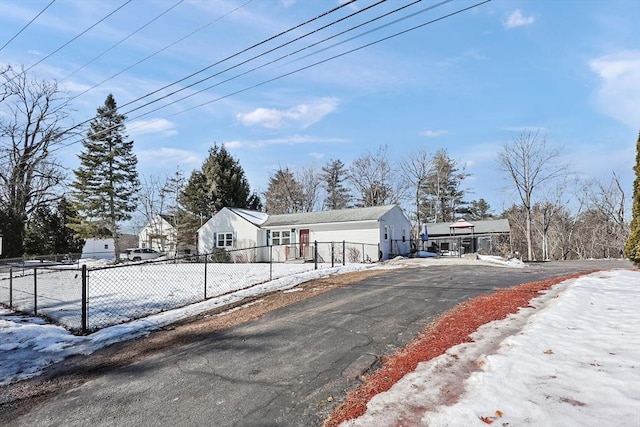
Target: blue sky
468,83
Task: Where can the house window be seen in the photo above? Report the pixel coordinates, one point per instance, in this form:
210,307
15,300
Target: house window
280,237
386,232
106,246
224,240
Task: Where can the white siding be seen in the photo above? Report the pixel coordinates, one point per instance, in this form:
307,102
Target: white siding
362,232
99,249
245,233
158,235
398,225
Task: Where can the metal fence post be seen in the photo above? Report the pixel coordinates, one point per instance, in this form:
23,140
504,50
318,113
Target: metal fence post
35,292
332,256
364,255
315,254
10,287
205,276
344,252
85,313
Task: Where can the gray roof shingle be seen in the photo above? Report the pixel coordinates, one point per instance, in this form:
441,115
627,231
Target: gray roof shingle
479,227
340,215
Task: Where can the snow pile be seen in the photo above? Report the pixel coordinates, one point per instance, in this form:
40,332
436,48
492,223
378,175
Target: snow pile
492,259
572,360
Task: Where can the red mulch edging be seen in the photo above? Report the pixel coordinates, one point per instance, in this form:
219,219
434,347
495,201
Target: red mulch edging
450,329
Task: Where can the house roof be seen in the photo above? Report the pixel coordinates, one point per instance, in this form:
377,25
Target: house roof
479,227
340,215
254,217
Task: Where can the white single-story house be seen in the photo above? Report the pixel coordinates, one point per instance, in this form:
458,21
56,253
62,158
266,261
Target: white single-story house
159,234
361,234
232,228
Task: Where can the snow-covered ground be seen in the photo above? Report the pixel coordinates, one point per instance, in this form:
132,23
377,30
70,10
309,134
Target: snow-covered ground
574,360
133,290
29,344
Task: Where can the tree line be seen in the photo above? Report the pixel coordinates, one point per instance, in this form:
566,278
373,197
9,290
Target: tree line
44,212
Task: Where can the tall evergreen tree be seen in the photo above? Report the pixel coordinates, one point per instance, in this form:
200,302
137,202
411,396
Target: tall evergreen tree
47,231
478,210
444,196
220,183
333,176
632,247
284,194
106,182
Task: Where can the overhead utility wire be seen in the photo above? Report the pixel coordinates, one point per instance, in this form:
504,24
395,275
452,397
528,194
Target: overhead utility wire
241,52
299,50
253,58
370,31
212,65
325,60
28,23
290,54
76,37
123,40
161,50
307,66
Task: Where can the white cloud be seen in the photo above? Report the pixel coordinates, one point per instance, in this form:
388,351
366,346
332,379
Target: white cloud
164,156
516,19
303,115
316,156
433,133
292,140
618,95
233,144
142,127
539,129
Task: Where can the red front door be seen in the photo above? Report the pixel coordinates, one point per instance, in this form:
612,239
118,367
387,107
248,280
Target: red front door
304,243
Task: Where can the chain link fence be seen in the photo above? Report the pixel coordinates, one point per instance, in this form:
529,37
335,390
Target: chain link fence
85,299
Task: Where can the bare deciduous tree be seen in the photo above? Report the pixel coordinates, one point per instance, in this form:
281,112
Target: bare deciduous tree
309,180
530,162
374,181
31,117
415,171
608,198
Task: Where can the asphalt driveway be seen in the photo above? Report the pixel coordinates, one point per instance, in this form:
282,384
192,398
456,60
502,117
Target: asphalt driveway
290,367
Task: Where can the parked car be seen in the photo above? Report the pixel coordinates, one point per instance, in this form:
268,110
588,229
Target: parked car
141,254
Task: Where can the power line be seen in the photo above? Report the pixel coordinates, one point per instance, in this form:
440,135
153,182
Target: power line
78,36
306,67
236,54
293,53
243,51
256,57
161,50
125,39
28,23
321,61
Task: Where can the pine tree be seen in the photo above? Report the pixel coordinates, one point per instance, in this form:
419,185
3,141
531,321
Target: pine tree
443,195
284,194
106,182
334,174
47,232
632,247
220,183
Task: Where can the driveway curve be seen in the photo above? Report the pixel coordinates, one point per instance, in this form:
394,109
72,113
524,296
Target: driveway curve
290,367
